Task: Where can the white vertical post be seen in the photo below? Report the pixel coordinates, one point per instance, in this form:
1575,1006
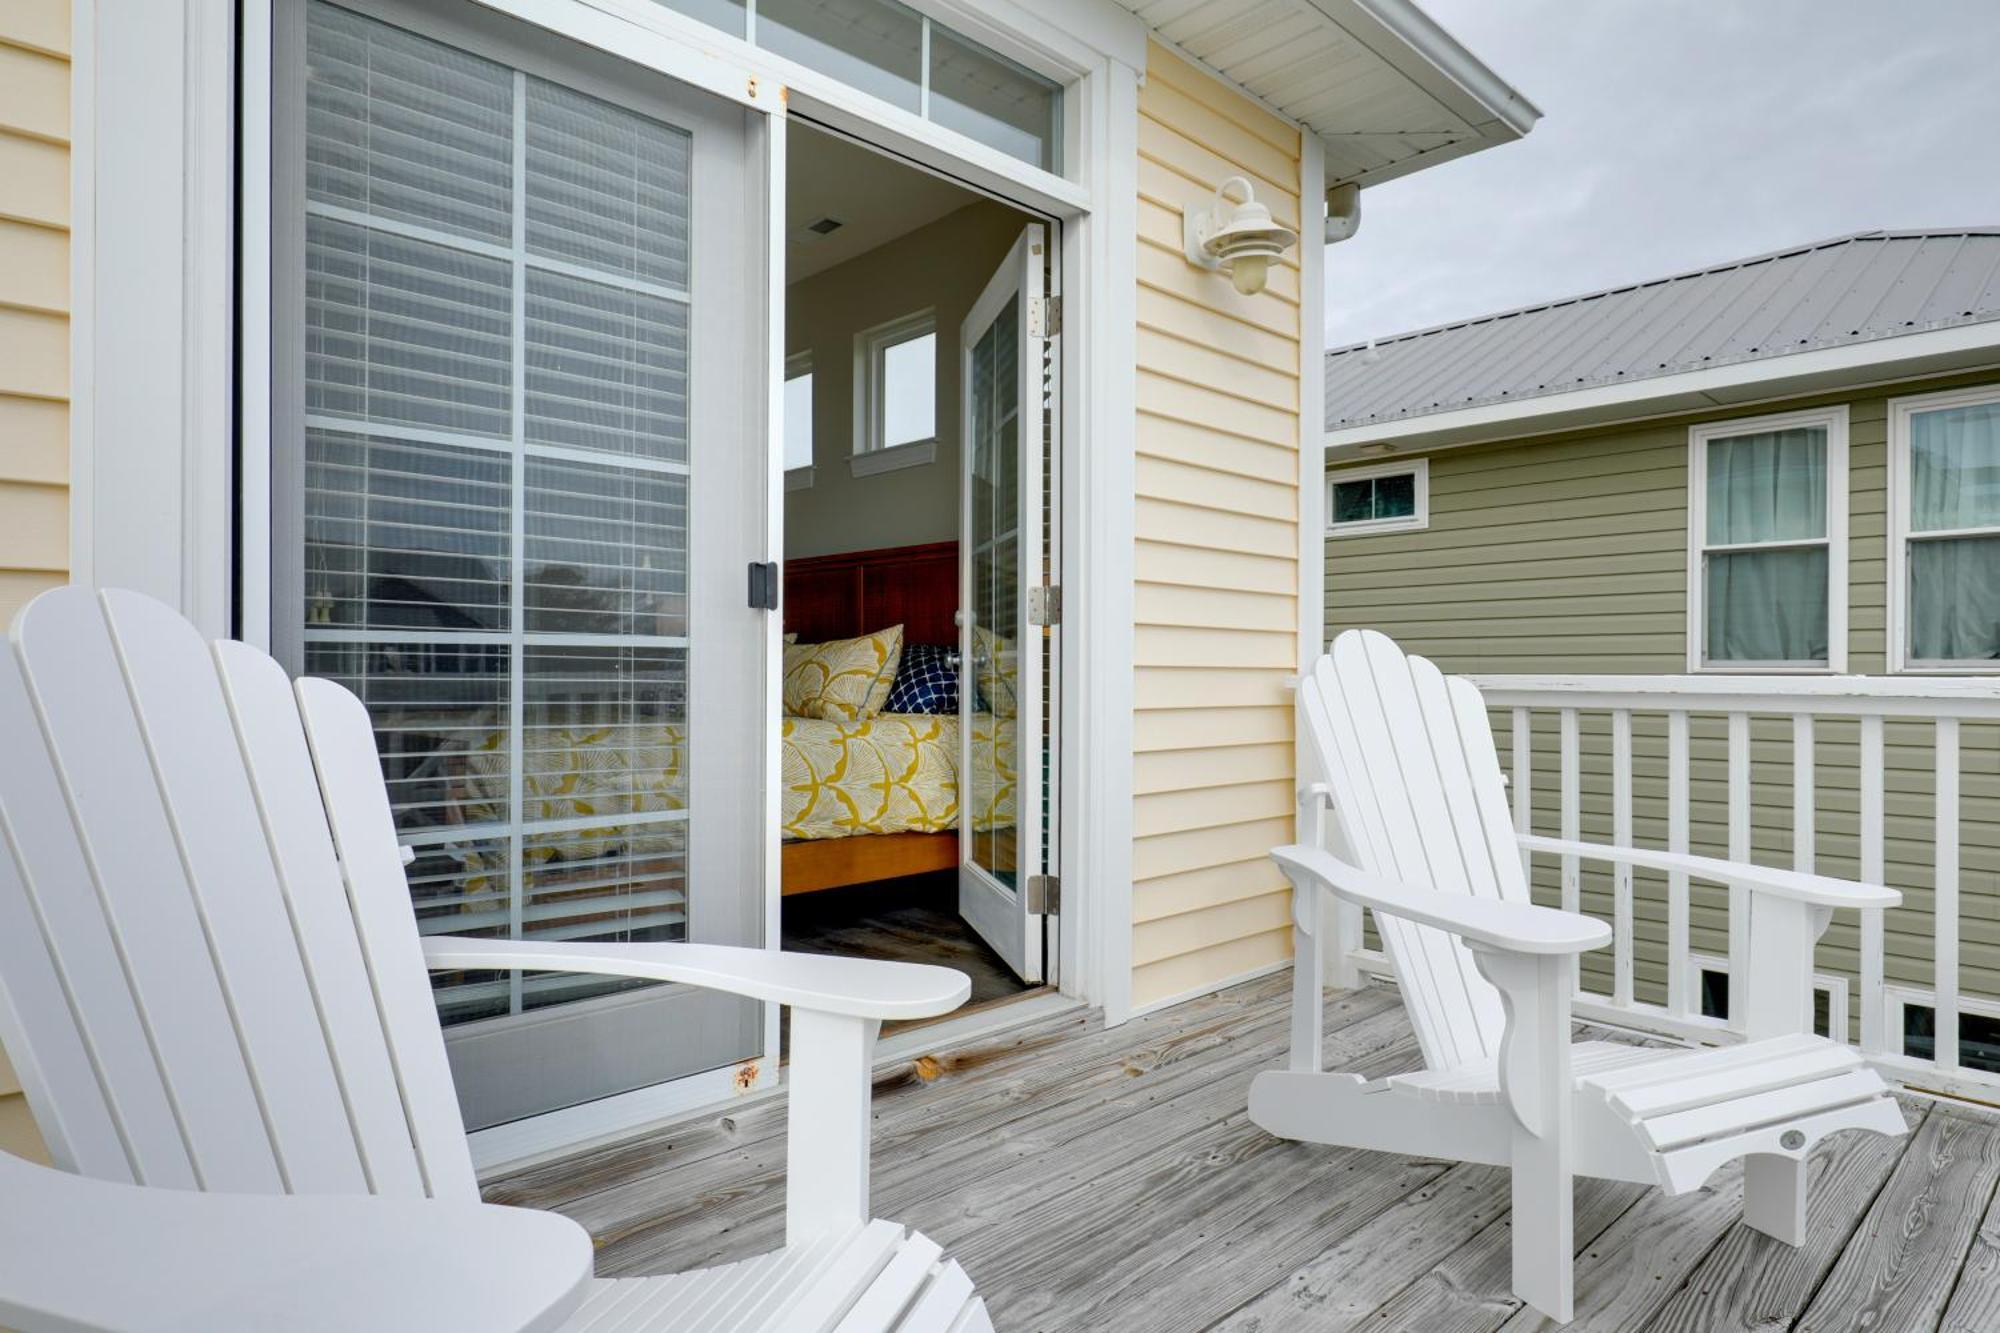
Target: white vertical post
1621,873
1944,925
1523,781
1572,828
1739,850
1677,882
1873,1015
1803,830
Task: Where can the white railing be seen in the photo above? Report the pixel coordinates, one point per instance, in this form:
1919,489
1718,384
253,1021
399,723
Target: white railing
1923,716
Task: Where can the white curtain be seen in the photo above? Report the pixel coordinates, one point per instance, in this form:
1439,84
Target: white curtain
1769,605
1954,583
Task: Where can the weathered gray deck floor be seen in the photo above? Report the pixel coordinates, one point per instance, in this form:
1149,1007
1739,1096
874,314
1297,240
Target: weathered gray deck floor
1109,1181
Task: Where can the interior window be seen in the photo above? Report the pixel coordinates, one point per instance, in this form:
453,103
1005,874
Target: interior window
1380,499
1952,538
798,414
1766,552
897,388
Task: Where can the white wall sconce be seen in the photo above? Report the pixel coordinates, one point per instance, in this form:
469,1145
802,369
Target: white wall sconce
1238,239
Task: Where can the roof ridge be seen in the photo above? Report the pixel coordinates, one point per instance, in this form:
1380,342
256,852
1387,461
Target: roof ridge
1725,266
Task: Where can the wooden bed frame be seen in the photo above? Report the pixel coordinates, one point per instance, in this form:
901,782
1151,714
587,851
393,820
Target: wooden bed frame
843,597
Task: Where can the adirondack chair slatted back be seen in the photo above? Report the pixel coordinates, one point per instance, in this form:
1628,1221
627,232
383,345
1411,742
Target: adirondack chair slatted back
1418,797
196,988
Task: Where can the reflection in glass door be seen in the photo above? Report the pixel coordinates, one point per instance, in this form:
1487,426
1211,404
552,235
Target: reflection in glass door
494,461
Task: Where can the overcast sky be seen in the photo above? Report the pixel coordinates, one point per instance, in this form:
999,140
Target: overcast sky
1679,133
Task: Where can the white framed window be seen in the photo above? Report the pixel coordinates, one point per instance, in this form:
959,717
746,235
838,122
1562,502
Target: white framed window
1912,1027
1944,532
895,394
1767,543
798,421
1387,497
1708,982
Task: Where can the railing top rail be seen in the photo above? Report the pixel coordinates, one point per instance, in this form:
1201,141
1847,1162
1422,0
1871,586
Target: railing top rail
1939,696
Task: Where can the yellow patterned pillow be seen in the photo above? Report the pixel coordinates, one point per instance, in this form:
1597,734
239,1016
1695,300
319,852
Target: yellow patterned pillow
842,680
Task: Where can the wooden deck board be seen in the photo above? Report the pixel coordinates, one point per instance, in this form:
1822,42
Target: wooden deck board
1109,1181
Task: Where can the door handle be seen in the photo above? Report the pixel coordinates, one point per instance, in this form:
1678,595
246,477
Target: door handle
763,585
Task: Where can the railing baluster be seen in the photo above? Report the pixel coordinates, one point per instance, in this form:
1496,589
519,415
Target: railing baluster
1739,850
1944,922
1572,828
1803,832
1677,883
1523,780
1621,874
1874,1009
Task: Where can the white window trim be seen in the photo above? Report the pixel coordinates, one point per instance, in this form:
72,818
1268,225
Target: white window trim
1834,421
1897,998
870,456
1897,609
1419,468
800,478
1834,986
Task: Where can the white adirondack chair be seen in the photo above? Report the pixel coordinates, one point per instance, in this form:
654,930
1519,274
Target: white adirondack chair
211,979
1411,779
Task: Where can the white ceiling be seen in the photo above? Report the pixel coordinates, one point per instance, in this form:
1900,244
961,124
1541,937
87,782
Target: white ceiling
876,199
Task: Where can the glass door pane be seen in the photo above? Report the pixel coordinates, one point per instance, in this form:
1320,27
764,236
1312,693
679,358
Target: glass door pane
497,458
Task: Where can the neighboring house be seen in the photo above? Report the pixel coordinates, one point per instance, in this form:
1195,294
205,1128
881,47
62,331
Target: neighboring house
187,290
1788,465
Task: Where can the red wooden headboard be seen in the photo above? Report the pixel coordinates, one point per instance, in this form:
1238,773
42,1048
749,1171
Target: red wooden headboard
858,592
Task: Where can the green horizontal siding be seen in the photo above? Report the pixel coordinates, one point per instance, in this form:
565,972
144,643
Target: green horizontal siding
1569,555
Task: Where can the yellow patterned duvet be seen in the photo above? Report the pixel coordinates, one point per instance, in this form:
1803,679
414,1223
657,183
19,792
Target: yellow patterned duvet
892,773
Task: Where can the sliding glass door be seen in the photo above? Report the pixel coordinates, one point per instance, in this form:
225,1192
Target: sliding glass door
520,469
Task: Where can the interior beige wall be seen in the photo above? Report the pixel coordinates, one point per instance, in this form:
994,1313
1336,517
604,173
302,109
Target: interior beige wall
1216,552
943,266
34,345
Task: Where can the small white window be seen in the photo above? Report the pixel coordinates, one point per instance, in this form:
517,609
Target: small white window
1767,543
1709,981
1944,549
895,394
1390,497
798,421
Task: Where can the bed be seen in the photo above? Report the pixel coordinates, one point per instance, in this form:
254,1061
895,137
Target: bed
866,800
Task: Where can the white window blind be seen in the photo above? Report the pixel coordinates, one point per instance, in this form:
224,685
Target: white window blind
1952,533
495,481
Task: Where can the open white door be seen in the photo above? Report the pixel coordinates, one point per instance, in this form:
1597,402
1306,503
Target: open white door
1001,844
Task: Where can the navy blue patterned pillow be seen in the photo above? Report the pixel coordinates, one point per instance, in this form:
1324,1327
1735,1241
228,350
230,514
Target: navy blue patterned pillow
926,682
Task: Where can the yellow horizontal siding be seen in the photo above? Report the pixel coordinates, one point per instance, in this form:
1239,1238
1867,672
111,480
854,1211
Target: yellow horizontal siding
1216,555
1568,555
34,348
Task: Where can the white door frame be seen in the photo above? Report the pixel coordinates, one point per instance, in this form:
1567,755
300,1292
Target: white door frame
159,426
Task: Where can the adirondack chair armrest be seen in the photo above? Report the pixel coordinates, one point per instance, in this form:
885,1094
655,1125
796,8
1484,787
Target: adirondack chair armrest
852,987
1512,927
77,1252
1796,885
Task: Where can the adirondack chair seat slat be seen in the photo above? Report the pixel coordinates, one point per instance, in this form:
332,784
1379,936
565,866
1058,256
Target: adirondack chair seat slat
1405,765
211,978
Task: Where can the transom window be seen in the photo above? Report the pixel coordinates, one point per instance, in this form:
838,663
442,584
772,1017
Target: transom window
1767,536
895,394
1393,497
1944,581
892,52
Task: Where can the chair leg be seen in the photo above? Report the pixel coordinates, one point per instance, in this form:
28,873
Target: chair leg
1544,1239
1774,1196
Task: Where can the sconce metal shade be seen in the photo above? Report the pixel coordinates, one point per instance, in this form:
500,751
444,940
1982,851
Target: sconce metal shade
1239,239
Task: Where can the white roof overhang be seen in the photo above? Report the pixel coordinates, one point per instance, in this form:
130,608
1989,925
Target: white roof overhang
1385,89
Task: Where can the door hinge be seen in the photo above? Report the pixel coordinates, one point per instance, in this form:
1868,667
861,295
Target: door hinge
763,585
1045,605
1044,894
1045,317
